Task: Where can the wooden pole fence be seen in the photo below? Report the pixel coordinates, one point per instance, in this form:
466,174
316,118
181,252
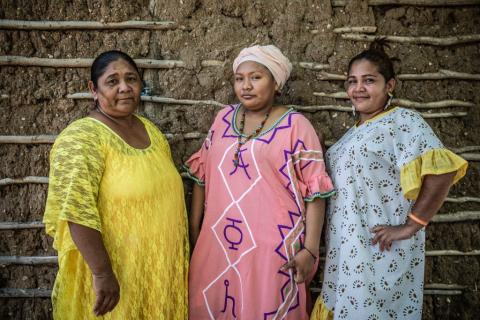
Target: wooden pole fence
86,25
405,102
423,3
434,41
441,74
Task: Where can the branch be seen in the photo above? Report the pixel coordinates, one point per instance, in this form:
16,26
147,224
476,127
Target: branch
24,180
471,156
462,199
6,260
20,226
25,293
405,102
4,96
438,253
159,99
457,216
424,3
28,139
366,29
86,25
82,62
312,65
434,41
442,74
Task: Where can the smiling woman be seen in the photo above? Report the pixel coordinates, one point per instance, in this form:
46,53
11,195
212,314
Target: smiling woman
393,174
115,208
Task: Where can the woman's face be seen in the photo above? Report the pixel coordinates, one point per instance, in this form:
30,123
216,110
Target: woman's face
367,88
254,86
118,89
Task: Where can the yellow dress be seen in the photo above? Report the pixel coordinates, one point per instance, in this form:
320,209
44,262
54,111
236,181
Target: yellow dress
135,198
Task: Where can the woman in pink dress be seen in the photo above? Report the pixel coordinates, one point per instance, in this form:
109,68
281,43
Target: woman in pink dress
258,204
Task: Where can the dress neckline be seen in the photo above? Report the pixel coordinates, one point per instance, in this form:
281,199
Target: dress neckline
123,140
264,132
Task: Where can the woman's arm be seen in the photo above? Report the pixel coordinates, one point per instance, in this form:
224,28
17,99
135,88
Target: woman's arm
196,213
90,244
305,259
433,192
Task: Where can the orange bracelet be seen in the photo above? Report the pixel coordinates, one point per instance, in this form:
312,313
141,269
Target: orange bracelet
417,219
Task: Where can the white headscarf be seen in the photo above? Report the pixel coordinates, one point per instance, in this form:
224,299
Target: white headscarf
269,56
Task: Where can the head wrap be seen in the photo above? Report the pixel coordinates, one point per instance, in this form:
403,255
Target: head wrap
269,56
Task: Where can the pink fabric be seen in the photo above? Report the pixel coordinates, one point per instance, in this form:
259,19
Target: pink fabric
269,56
253,220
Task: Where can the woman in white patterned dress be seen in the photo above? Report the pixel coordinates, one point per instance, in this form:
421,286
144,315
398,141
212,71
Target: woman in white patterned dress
392,175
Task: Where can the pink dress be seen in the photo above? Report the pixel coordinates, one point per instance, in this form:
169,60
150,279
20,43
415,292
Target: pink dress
253,221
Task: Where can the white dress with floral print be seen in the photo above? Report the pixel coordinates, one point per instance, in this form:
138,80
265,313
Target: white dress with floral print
360,281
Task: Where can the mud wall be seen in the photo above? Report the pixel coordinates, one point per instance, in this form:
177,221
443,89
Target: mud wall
38,98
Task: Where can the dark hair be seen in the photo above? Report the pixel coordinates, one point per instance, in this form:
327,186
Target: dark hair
377,56
104,59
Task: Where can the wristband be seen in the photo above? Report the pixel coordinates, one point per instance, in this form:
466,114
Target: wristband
417,219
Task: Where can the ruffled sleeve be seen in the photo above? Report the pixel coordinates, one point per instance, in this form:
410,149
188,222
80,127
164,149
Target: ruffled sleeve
434,162
308,163
195,166
76,168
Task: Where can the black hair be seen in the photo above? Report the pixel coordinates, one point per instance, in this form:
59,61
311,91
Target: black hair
104,59
377,56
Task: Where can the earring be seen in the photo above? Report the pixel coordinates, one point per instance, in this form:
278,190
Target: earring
353,110
389,101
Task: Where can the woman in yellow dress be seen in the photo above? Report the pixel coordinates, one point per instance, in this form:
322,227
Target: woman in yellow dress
116,209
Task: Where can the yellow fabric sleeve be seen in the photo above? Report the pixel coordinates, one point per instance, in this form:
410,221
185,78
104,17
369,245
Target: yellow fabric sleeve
435,162
321,311
76,168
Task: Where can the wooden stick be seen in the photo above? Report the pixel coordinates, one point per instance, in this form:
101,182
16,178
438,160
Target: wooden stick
158,99
465,149
426,115
82,62
471,156
439,253
444,286
442,292
424,3
6,260
462,199
28,139
312,65
456,217
405,102
434,41
25,293
21,225
24,180
4,96
442,74
86,25
366,29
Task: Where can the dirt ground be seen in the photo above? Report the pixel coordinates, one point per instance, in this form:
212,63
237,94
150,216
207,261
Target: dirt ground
37,102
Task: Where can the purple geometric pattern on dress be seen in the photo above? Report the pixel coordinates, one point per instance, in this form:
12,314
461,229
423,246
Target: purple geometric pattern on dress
277,128
229,124
271,136
299,145
281,229
241,165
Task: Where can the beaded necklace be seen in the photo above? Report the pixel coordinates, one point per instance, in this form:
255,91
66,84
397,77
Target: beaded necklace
240,143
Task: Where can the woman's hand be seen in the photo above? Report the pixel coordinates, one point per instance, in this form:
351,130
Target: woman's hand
302,265
107,292
385,235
